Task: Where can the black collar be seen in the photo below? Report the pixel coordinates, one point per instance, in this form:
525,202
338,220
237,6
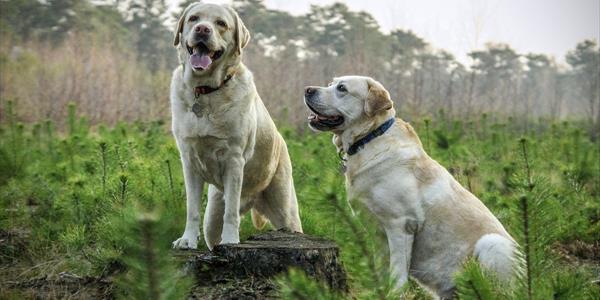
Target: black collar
205,89
358,145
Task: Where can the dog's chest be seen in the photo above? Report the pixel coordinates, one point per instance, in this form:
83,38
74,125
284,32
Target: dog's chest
201,117
387,188
205,137
365,188
209,161
187,124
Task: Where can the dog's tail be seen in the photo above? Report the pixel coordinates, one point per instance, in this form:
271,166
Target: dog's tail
258,220
499,254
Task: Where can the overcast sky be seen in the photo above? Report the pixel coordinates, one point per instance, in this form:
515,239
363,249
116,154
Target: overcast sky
542,26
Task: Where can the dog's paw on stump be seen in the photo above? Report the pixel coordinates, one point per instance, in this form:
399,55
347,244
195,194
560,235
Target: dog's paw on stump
247,269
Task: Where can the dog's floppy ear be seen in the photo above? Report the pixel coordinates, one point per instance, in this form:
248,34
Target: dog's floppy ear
241,35
378,98
179,28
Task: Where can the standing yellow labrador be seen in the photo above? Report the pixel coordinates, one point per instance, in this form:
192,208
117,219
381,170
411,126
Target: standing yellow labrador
432,223
224,133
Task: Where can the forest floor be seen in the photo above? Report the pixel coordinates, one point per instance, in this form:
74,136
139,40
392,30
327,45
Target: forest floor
80,207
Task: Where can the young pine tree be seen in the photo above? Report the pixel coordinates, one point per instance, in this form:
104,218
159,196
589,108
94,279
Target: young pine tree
150,272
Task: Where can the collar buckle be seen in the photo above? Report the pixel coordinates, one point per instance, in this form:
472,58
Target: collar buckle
198,91
343,161
341,155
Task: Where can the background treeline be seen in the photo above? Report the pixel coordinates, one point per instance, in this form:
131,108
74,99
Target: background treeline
114,58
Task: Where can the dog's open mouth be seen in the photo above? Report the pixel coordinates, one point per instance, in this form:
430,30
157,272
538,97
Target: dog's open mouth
201,57
321,121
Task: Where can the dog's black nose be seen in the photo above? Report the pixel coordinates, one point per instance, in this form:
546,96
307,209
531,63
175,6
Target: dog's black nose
309,91
203,30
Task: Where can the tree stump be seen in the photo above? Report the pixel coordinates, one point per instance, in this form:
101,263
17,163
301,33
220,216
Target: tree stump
246,270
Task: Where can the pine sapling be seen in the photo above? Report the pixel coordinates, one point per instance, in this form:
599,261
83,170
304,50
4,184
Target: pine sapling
36,134
10,114
483,126
526,245
103,157
123,187
146,224
536,218
49,137
525,217
72,118
427,138
170,178
361,240
151,272
475,282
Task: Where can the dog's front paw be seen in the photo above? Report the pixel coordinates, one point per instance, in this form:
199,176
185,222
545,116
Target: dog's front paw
187,241
230,235
233,240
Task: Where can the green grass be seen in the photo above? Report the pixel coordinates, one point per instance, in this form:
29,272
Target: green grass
80,195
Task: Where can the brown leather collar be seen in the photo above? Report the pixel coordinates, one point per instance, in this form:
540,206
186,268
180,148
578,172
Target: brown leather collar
205,89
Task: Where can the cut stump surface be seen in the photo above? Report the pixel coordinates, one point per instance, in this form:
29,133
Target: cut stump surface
246,270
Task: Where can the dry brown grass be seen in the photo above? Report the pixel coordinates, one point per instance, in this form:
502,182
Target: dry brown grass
106,82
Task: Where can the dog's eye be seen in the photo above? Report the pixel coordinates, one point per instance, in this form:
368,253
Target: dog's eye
341,88
221,23
193,19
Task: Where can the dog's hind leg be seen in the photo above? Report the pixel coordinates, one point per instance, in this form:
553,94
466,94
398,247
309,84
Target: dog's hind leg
278,202
294,214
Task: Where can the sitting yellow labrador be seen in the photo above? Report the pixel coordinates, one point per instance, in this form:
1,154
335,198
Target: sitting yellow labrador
432,223
224,133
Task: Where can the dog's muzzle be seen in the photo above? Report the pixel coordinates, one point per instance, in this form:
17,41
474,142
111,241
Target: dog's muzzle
317,119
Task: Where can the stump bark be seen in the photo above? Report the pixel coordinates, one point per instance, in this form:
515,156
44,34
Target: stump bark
247,270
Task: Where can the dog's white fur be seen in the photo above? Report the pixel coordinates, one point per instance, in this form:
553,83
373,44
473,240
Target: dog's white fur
233,145
432,223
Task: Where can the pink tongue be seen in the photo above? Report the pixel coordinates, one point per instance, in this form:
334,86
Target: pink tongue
200,61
